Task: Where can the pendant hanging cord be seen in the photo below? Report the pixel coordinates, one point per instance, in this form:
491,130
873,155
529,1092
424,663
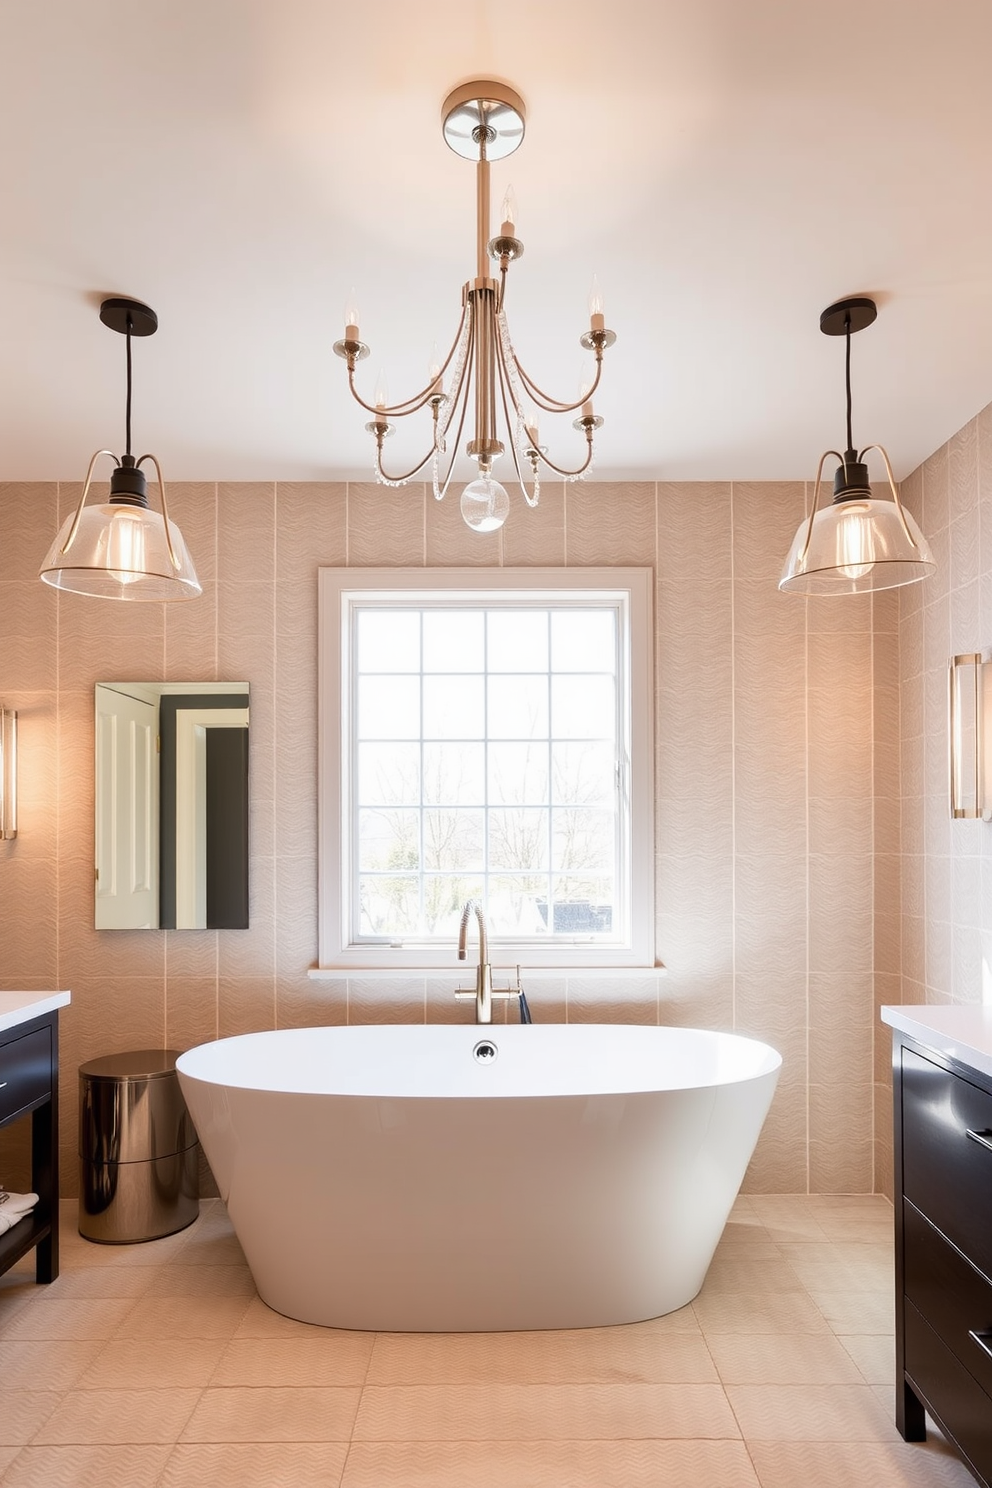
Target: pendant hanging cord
847,359
127,408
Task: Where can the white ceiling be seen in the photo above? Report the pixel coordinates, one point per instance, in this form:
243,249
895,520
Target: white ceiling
727,168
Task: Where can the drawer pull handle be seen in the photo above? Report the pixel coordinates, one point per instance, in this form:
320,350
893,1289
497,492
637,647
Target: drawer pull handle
983,1138
984,1341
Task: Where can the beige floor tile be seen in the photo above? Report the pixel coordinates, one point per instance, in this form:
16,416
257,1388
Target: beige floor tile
101,1281
70,1318
734,1273
782,1359
7,1455
857,1312
194,1317
260,1321
255,1465
742,1248
758,1312
858,1465
857,1231
90,1417
75,1250
875,1206
274,1415
87,1467
166,1364
45,1365
809,1413
874,1354
748,1230
212,1248
636,1353
549,1464
23,1412
839,1252
338,1358
539,1412
867,1275
202,1281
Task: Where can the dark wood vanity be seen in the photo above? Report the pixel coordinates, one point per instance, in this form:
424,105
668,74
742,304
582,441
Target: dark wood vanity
29,1085
942,1084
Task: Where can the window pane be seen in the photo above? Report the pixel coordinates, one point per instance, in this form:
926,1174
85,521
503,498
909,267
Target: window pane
389,906
389,707
444,897
518,774
583,640
518,904
454,640
389,774
454,774
583,774
388,641
583,841
583,707
388,840
583,906
518,838
453,839
518,707
518,641
453,708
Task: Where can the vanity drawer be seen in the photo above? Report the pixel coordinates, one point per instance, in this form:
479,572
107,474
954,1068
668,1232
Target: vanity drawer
947,1173
954,1298
961,1405
25,1072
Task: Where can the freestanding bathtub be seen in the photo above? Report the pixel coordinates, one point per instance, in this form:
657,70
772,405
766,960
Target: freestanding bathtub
450,1178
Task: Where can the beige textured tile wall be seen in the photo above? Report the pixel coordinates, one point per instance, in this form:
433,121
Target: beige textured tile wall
778,814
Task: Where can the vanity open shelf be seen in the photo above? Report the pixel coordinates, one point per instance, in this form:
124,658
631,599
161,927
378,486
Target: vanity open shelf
29,1083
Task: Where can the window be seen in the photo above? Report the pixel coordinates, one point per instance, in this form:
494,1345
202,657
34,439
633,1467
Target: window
486,734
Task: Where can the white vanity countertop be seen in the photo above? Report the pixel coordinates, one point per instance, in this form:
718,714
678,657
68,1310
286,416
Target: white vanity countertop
958,1032
21,1007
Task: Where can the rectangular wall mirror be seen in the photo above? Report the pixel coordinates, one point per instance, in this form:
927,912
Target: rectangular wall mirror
171,806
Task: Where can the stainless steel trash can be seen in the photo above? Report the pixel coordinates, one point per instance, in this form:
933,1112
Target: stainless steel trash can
137,1149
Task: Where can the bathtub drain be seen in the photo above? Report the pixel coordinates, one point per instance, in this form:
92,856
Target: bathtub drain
485,1051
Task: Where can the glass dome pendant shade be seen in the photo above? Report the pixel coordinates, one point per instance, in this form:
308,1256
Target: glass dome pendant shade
122,549
860,542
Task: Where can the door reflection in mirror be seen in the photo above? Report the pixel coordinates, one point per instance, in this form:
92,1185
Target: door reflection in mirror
171,805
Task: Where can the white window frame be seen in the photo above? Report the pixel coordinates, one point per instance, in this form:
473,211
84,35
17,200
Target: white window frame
339,591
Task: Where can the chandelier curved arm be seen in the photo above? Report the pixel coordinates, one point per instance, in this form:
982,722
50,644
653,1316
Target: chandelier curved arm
418,400
82,500
441,491
533,451
396,480
545,400
504,348
571,474
165,510
894,488
816,496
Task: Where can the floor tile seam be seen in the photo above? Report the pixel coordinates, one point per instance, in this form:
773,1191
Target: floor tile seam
147,1443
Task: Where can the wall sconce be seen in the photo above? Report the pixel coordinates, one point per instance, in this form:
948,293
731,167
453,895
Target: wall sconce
8,774
969,697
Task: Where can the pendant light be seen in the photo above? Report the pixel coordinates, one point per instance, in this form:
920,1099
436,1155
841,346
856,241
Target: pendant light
122,549
859,542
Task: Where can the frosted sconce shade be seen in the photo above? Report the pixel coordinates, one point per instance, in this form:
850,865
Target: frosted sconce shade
8,773
856,546
121,552
969,702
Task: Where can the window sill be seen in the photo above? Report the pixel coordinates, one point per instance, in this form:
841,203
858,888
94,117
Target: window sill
458,973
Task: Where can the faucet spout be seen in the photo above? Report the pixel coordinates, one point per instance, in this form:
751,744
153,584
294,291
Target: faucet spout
483,976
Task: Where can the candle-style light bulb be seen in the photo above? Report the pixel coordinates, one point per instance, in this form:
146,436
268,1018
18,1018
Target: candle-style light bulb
532,426
381,393
508,212
597,321
351,319
584,386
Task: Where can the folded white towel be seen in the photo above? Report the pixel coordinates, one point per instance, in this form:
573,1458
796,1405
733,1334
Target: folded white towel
15,1203
8,1221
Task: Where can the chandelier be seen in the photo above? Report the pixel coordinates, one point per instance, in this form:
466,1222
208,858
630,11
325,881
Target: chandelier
483,121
